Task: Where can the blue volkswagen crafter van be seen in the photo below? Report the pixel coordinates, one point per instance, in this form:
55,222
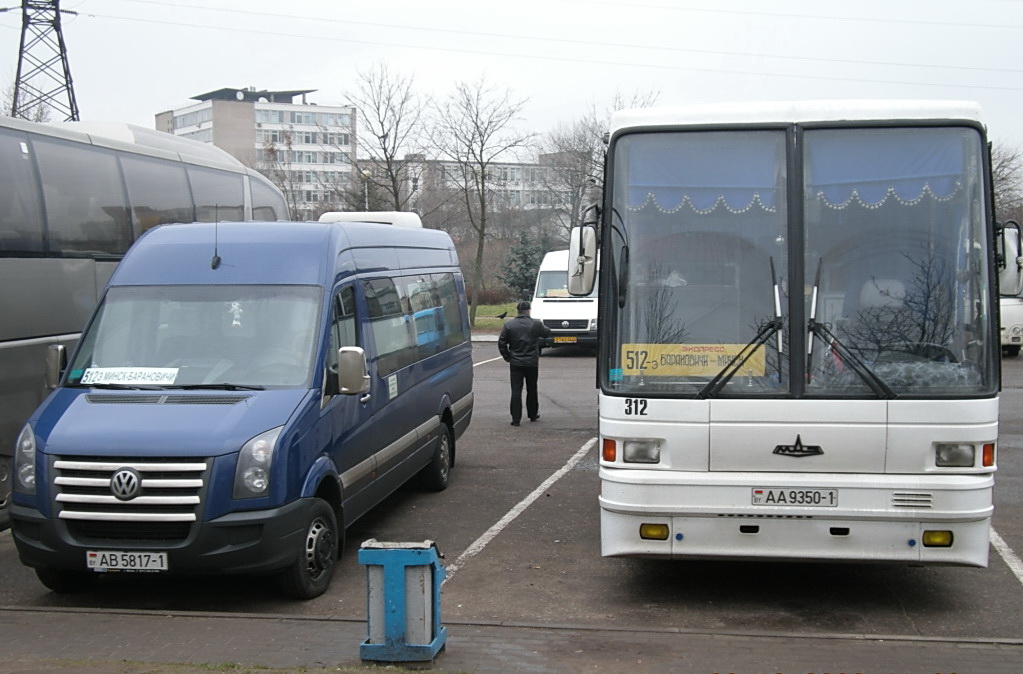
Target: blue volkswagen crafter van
244,392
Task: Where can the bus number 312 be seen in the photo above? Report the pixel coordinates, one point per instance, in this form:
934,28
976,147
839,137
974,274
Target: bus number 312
635,407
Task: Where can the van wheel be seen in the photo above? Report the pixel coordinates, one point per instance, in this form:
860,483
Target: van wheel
434,476
64,581
309,575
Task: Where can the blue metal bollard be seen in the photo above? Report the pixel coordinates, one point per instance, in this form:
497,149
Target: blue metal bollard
403,601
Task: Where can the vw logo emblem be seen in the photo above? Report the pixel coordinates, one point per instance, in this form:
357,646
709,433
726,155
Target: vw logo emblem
565,324
125,484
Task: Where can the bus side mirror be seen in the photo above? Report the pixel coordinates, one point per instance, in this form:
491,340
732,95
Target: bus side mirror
1010,259
582,260
352,370
56,363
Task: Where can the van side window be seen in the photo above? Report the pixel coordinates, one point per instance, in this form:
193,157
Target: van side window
389,322
343,326
436,312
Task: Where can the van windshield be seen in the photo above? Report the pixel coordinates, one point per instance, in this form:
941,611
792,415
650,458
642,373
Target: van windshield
554,285
208,335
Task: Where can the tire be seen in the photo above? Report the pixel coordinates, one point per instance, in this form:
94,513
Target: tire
64,581
434,476
310,574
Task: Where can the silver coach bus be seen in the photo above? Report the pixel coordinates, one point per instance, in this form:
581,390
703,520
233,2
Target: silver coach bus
73,197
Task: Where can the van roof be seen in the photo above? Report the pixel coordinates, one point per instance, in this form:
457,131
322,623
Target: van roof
271,252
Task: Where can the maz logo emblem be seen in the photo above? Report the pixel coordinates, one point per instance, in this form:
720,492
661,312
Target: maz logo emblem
798,450
125,484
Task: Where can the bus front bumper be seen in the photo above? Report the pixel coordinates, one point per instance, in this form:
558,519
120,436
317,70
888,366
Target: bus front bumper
877,517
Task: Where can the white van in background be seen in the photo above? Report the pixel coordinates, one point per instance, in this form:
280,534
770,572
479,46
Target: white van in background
572,320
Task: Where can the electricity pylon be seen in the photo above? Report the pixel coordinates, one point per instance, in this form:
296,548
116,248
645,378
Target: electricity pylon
44,77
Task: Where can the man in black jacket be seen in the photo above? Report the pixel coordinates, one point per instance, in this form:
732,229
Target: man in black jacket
519,344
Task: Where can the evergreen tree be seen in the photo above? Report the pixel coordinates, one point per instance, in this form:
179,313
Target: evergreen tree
523,263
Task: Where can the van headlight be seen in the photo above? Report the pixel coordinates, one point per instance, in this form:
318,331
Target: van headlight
252,475
25,461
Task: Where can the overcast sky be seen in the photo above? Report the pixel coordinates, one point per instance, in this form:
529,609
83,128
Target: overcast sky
131,59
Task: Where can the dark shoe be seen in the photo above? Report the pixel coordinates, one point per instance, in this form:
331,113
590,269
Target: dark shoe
515,423
534,418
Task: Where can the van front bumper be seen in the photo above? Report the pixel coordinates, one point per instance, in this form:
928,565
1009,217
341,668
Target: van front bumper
569,339
243,542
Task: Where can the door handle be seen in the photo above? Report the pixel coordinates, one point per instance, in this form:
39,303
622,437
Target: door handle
365,399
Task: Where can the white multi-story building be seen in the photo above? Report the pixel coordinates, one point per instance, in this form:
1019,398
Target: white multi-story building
305,148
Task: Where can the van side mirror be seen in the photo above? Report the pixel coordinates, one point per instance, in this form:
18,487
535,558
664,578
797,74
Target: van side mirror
582,260
352,370
1010,259
56,363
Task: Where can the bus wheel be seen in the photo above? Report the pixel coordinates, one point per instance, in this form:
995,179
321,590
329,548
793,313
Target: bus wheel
434,476
64,581
309,575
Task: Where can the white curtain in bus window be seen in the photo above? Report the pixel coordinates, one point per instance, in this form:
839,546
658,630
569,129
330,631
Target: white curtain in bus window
158,192
21,226
219,195
86,208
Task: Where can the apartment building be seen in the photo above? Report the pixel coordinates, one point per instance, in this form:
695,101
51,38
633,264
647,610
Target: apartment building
305,148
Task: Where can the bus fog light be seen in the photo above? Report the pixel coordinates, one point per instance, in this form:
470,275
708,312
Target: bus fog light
641,451
653,532
937,539
958,455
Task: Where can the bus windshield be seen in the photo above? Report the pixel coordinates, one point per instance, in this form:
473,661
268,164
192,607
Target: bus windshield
200,336
830,262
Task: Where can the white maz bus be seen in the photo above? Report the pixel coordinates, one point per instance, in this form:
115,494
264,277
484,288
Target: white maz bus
799,349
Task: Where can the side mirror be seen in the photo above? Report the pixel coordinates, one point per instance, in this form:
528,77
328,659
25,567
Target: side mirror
1010,276
582,260
352,370
56,363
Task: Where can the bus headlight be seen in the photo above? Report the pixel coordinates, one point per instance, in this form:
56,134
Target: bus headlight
641,451
252,475
954,455
25,461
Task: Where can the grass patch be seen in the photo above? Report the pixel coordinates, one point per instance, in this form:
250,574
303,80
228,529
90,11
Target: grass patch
487,315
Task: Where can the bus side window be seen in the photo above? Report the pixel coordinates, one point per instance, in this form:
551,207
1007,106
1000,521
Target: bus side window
86,207
21,228
219,196
158,192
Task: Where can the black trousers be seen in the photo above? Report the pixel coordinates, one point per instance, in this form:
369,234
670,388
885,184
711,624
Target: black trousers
524,375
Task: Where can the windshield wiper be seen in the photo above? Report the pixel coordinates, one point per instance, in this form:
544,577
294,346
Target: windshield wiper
772,327
219,387
822,332
715,385
871,378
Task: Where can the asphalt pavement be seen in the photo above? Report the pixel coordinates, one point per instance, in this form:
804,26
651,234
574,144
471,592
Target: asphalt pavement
36,641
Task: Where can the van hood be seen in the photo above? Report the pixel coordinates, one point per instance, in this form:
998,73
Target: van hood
84,422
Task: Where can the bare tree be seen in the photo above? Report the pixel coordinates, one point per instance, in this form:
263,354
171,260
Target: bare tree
392,133
575,152
1007,175
275,163
474,129
40,112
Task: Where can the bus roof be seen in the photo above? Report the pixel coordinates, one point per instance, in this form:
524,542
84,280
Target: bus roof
777,112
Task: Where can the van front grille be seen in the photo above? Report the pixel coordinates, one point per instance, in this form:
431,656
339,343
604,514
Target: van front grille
109,497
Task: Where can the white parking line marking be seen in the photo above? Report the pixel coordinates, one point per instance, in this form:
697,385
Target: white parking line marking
1011,559
484,362
489,535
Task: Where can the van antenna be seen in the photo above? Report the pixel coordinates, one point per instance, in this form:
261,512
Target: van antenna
215,262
